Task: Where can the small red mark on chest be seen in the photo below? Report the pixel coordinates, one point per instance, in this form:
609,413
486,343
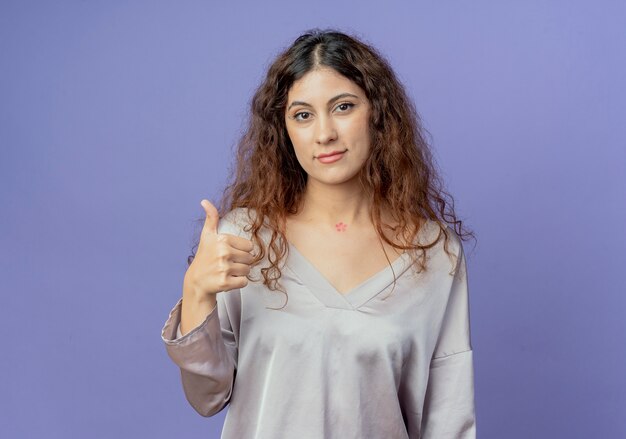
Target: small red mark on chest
341,227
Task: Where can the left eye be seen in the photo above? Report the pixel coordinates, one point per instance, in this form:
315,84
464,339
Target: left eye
345,106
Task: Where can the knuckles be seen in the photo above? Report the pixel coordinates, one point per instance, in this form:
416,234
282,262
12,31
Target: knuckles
222,266
222,252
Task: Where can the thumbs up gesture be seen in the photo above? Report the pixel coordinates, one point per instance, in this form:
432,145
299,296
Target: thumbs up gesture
222,260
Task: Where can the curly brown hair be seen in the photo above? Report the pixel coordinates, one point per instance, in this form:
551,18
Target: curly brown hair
399,176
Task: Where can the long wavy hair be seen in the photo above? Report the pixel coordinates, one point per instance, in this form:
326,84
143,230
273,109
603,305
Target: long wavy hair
400,175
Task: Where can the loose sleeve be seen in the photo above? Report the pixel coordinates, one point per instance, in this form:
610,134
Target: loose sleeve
206,356
449,402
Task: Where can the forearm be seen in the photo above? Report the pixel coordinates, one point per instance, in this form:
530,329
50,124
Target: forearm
195,308
206,362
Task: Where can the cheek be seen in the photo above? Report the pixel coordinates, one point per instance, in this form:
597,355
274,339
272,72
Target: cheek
296,142
357,130
361,135
295,136
299,146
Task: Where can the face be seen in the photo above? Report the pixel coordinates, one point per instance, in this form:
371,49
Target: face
328,113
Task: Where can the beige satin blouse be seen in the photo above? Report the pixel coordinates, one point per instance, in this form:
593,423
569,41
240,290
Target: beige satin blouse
363,364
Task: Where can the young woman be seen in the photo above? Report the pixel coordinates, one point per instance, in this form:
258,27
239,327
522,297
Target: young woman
328,298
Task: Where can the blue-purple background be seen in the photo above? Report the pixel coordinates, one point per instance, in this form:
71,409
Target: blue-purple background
117,118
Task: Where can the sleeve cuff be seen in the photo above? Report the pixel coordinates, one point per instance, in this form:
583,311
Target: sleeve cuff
171,333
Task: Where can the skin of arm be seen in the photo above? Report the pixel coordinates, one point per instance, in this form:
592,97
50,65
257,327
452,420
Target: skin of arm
195,308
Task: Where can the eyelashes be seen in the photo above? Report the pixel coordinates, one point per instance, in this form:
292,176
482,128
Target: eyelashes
298,116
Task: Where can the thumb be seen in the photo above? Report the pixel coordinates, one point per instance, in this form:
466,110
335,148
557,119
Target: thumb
212,217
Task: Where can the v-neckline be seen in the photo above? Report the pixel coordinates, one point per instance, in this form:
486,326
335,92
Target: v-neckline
358,295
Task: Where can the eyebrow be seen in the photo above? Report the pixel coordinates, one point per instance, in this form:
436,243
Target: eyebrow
330,101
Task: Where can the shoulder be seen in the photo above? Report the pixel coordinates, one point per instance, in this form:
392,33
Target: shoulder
233,222
456,248
238,215
237,222
447,246
436,231
456,244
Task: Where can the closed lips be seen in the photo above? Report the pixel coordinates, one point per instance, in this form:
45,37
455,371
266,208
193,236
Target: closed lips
331,153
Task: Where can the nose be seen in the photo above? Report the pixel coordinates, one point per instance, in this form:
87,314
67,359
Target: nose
326,131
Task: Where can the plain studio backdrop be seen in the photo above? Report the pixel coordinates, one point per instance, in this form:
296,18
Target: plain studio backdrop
117,118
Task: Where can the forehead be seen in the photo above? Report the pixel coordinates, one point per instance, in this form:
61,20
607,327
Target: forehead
322,83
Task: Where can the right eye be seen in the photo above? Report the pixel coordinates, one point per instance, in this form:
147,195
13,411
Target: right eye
302,116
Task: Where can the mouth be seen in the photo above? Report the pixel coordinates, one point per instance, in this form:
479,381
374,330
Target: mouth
331,157
330,154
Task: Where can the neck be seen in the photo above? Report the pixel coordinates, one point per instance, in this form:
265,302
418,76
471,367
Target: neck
333,204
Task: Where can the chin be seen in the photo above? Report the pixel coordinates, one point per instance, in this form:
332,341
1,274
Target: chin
337,179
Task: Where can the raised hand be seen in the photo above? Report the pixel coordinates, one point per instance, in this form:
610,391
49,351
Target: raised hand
221,263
